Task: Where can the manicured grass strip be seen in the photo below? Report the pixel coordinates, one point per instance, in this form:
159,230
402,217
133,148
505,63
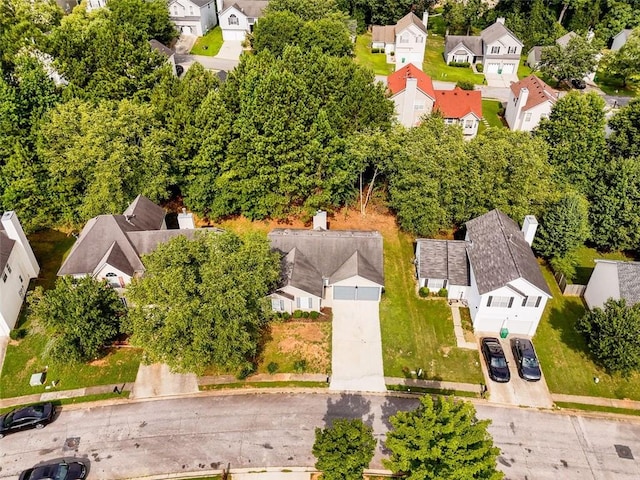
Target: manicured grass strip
435,66
418,333
613,86
74,400
226,386
566,361
523,70
433,391
490,110
373,61
598,408
209,44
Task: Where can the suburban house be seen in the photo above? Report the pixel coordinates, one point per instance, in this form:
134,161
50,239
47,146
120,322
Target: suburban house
95,4
413,95
404,42
193,17
535,54
493,270
110,247
237,17
321,267
18,265
496,47
166,52
620,39
613,279
530,100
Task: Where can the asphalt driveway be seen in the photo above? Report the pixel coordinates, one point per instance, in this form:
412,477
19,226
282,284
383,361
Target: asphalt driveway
517,391
356,359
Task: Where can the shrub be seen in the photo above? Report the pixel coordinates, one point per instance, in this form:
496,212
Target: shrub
479,67
465,85
314,315
565,265
300,366
423,292
18,334
273,367
286,315
305,314
376,50
459,64
393,54
297,314
245,371
443,293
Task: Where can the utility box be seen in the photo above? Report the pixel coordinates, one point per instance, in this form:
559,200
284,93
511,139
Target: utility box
37,379
504,332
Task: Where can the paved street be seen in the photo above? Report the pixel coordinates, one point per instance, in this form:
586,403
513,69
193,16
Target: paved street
263,430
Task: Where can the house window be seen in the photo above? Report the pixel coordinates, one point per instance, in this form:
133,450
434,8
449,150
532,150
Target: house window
8,268
436,283
20,277
277,305
175,10
21,292
112,278
512,50
190,10
531,302
4,276
418,106
419,39
449,121
527,117
233,20
495,49
500,302
404,39
468,123
304,302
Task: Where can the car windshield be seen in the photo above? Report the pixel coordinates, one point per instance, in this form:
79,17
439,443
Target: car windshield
529,362
498,362
61,474
8,420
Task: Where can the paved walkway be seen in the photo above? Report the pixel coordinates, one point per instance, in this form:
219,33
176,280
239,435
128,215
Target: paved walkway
62,394
356,358
603,402
264,377
158,380
458,330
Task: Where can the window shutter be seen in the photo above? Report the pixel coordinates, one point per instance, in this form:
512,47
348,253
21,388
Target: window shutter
524,301
510,302
538,302
489,301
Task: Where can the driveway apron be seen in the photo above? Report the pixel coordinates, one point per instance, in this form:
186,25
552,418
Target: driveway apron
157,380
356,362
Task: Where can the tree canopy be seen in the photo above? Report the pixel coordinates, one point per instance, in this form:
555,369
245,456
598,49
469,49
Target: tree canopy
79,316
149,16
625,63
441,440
564,226
624,140
575,60
202,302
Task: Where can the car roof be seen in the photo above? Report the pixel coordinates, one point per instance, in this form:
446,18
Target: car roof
30,411
493,345
524,344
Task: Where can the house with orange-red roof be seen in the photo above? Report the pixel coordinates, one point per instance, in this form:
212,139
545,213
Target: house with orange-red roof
530,100
413,95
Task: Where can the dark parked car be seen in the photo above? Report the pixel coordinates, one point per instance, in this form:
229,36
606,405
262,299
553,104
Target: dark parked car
496,361
56,471
179,70
578,83
34,416
526,359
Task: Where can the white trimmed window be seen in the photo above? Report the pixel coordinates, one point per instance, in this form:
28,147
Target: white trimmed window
277,304
531,302
233,20
8,268
404,39
4,276
436,283
468,123
495,49
418,106
304,302
527,117
500,302
511,50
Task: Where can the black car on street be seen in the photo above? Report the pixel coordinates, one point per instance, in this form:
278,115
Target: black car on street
33,416
496,361
526,359
56,471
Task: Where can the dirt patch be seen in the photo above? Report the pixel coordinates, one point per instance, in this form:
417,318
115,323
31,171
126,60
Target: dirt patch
14,343
101,362
304,340
305,332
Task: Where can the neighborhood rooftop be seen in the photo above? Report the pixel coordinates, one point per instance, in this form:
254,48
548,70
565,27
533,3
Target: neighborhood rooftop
629,281
457,103
443,259
397,81
6,246
251,8
499,253
539,92
473,44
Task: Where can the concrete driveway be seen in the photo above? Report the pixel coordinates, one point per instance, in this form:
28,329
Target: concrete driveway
495,80
157,380
230,50
356,359
517,391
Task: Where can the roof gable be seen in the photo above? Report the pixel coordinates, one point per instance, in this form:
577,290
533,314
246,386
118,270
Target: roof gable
356,265
539,91
249,8
117,259
471,43
144,214
497,31
383,34
299,272
629,281
408,20
458,103
499,254
397,81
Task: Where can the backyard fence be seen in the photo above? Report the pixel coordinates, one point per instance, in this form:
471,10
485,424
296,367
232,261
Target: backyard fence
569,289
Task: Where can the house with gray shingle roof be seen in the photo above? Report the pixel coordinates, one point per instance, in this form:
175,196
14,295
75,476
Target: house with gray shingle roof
238,17
110,247
620,39
18,265
613,279
406,40
193,17
321,267
505,287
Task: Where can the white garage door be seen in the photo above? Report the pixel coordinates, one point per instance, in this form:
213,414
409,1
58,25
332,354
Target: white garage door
493,67
233,35
356,293
508,68
520,328
489,325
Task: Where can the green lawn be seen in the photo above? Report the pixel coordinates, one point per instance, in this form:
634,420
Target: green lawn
490,110
564,356
435,66
373,61
418,333
523,70
586,263
613,86
209,44
50,247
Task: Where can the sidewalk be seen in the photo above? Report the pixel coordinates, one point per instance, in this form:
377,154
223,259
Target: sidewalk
603,402
458,331
62,394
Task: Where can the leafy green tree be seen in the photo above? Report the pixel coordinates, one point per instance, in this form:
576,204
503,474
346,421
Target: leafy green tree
575,135
564,226
202,302
305,9
150,16
276,30
453,14
615,205
625,63
344,450
620,15
441,440
612,335
575,60
79,316
624,141
331,35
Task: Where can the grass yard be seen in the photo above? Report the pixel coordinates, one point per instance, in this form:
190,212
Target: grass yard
586,263
418,333
373,61
209,44
435,66
490,110
564,356
613,86
50,247
524,70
